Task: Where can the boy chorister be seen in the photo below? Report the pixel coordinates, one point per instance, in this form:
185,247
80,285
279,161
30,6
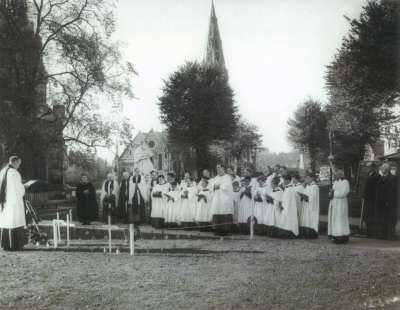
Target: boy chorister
261,209
159,202
173,200
275,203
188,203
309,219
245,209
288,226
203,212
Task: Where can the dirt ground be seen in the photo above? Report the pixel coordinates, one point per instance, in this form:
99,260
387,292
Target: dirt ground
206,274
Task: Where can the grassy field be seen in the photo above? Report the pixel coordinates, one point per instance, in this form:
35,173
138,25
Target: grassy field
206,274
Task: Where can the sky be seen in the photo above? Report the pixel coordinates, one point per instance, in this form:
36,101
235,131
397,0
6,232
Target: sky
276,52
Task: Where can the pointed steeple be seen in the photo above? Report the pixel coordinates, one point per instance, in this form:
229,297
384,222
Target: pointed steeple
215,54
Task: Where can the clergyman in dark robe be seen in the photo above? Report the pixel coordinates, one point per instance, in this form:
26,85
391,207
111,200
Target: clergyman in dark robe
87,208
137,196
370,203
123,197
381,204
108,199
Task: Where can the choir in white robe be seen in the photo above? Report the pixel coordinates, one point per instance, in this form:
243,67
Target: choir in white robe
236,199
245,205
188,205
173,200
288,214
298,188
13,213
261,208
222,202
310,209
203,214
277,195
159,203
338,217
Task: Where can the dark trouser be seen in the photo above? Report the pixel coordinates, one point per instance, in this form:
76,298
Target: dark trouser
157,222
202,224
284,234
134,215
222,224
339,239
13,239
244,228
307,233
109,209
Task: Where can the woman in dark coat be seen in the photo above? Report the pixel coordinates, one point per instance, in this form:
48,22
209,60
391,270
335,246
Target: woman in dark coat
87,208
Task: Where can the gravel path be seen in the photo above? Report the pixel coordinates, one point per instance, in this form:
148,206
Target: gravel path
231,274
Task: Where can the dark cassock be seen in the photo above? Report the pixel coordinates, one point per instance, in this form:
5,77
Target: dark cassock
108,199
371,207
123,198
387,202
12,210
87,208
137,199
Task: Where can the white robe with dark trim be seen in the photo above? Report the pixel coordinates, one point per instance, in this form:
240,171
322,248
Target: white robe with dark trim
246,208
13,214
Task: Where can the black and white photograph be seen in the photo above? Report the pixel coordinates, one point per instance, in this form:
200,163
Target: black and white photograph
200,154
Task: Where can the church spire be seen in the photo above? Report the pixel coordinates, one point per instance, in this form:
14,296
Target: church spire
215,54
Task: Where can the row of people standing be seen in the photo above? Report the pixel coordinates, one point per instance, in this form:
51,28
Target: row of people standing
280,205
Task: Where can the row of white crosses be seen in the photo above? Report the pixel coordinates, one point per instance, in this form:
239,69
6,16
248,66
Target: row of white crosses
57,223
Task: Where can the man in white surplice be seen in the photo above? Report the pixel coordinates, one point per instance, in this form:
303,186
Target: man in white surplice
12,210
338,215
222,202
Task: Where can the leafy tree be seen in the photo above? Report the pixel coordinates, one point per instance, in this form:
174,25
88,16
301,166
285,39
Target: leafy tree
241,147
79,162
308,131
197,106
61,50
363,80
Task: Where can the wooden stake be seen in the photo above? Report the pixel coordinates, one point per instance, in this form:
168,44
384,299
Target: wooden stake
70,215
109,234
132,239
252,227
58,227
54,235
67,230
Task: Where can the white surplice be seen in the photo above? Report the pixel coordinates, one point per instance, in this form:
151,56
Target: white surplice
222,202
310,209
288,215
338,215
13,213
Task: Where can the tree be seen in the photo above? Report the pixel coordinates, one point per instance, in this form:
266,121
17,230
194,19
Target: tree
363,79
308,131
240,149
197,106
59,50
85,162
